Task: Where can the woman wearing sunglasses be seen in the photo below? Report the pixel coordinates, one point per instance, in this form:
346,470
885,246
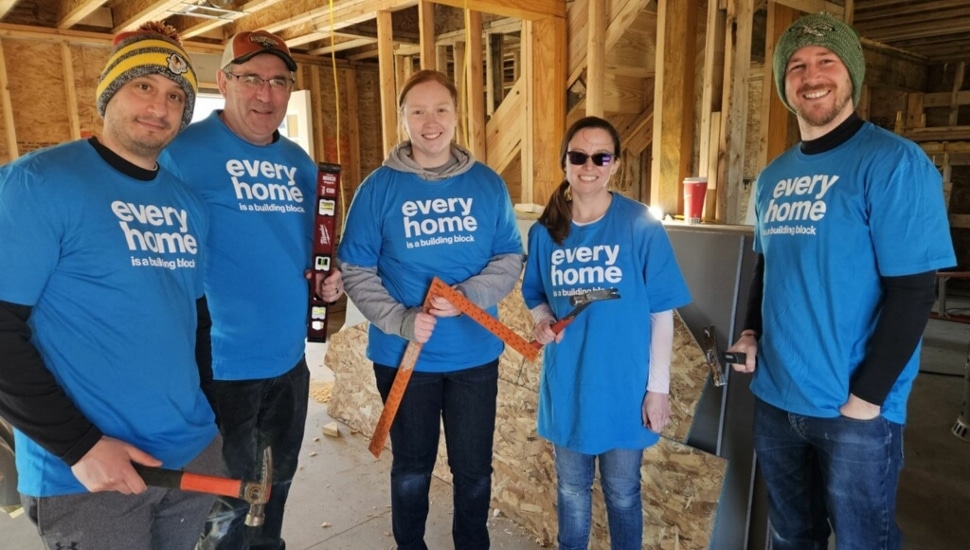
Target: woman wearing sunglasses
605,378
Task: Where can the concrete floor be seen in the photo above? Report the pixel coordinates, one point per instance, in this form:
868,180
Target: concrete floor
340,499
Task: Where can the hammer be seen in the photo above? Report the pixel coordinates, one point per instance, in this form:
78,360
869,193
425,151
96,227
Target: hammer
717,359
255,493
580,302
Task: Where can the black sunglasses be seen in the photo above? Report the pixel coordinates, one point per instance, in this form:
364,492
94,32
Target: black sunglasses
578,158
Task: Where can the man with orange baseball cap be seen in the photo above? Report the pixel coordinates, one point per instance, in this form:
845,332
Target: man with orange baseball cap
259,188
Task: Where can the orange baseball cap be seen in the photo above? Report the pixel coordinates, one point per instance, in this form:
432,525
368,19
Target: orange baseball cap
246,45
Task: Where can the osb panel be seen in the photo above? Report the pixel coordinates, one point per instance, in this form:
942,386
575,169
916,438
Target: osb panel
681,485
354,399
88,63
37,93
33,12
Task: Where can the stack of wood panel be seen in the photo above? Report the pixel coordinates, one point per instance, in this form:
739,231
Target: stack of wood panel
681,485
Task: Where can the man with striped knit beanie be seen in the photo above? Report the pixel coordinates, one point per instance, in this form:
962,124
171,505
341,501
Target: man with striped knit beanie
101,265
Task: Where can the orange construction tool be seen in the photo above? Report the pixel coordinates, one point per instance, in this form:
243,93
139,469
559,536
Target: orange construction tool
410,359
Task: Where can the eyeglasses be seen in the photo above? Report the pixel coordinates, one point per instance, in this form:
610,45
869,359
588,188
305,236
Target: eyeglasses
578,158
256,83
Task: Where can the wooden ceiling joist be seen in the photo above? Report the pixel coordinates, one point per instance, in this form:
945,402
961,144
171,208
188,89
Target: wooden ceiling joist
530,10
129,15
73,11
196,26
813,6
881,12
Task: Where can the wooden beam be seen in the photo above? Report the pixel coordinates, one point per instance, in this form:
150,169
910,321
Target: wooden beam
955,94
545,43
812,6
640,134
72,12
288,13
504,130
458,50
475,91
494,69
9,125
735,108
316,95
441,58
960,221
527,189
596,59
945,99
712,87
130,14
70,91
352,163
385,53
342,46
202,26
939,133
774,136
426,35
531,10
673,130
5,6
622,16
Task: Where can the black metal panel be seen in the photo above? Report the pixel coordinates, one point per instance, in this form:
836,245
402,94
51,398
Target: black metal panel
718,263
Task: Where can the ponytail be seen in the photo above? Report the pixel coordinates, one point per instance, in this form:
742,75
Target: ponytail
557,215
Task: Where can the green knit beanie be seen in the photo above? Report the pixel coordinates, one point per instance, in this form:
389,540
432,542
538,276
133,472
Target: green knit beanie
823,30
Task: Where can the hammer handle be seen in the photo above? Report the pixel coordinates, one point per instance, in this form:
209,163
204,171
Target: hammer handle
196,483
562,323
556,328
731,357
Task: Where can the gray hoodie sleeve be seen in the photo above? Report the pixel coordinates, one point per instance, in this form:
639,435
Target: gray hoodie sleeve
365,289
494,282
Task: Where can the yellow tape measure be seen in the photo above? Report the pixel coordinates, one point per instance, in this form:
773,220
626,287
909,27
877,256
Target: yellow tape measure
410,359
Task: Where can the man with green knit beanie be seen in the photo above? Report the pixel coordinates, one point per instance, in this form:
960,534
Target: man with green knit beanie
850,228
827,32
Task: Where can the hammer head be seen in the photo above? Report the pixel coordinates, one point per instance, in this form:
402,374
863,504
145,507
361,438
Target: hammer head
257,493
718,360
594,296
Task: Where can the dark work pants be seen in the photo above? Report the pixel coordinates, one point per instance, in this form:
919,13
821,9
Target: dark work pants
465,401
254,414
158,519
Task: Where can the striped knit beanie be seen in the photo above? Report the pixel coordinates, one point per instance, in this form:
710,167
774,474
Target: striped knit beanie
154,48
821,29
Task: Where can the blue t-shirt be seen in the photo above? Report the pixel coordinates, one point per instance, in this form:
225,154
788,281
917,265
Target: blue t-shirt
260,200
594,381
111,267
829,226
412,230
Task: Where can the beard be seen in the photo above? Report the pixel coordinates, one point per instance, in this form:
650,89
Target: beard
145,144
822,117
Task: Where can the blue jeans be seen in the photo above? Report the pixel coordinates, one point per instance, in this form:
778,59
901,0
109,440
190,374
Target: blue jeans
252,415
822,471
620,478
465,401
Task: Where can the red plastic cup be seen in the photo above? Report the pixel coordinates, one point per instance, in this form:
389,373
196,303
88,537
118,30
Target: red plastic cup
695,191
